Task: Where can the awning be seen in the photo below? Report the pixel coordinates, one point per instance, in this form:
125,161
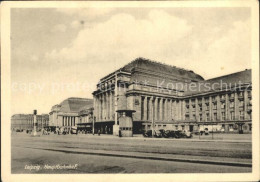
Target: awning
84,125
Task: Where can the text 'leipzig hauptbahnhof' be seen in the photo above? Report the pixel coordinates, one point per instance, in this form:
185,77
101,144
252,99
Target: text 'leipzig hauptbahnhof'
145,94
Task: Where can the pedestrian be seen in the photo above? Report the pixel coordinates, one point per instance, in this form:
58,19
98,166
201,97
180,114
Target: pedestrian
98,132
120,133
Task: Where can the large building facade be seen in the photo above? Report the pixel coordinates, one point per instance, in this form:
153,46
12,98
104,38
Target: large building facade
167,97
25,121
70,112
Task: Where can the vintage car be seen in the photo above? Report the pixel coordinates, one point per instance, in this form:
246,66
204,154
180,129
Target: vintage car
147,133
62,131
74,130
206,131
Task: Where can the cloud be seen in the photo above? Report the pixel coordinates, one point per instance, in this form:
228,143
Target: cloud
59,28
229,53
162,37
123,37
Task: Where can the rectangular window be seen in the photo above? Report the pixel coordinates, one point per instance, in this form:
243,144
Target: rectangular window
223,105
241,115
232,115
250,127
241,103
250,115
223,115
200,117
214,105
187,117
207,115
231,104
215,116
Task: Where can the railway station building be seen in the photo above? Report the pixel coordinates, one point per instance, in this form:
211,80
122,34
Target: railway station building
70,112
168,97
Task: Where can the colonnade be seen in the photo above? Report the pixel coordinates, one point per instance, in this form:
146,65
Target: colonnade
104,106
68,121
160,109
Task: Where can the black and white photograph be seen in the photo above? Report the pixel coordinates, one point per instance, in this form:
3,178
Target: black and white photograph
136,89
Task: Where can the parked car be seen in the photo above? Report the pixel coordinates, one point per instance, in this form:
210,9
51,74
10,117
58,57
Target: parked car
28,131
147,133
206,131
157,134
186,134
74,130
62,131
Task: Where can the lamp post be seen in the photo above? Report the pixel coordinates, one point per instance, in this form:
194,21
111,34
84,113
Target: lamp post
35,123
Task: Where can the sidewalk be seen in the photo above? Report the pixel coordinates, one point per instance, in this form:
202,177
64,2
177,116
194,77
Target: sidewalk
195,138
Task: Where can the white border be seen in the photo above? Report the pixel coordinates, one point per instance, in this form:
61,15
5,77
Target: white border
6,94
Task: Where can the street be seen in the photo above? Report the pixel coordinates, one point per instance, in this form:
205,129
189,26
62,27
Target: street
110,154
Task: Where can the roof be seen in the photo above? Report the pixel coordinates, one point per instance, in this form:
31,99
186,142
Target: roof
160,68
74,104
221,83
155,66
86,110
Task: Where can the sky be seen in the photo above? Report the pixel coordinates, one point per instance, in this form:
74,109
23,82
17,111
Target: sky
58,53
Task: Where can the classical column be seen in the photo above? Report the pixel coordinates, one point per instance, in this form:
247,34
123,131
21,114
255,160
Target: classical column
196,109
182,110
236,104
203,109
160,109
155,109
95,112
145,108
102,106
99,107
245,104
190,109
171,111
218,108
108,105
111,105
150,109
227,108
166,109
175,117
210,108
